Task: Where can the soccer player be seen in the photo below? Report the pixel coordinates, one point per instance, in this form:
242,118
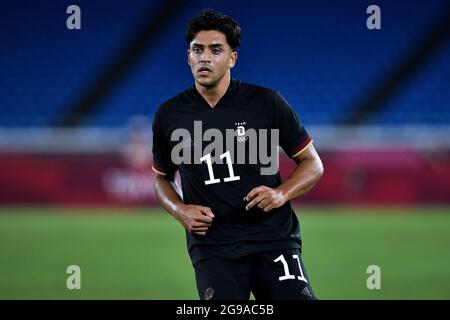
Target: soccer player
242,234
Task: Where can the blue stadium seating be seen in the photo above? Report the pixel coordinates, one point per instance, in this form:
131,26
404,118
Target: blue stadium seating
319,55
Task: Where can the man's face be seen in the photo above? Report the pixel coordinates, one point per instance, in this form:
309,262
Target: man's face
210,57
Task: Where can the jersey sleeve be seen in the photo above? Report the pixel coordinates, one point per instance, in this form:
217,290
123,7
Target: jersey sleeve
293,136
162,163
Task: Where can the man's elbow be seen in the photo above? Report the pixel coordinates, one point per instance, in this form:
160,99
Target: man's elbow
319,170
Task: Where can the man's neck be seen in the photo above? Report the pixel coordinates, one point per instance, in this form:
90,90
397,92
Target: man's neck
213,94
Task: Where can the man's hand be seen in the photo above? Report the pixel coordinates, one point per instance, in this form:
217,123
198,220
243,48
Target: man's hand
308,171
265,198
195,219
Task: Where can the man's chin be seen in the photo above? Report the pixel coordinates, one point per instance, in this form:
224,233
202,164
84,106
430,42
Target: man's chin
208,83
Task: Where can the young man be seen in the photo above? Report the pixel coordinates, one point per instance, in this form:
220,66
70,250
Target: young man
242,233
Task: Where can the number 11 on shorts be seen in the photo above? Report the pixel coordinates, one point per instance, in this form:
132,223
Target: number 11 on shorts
287,274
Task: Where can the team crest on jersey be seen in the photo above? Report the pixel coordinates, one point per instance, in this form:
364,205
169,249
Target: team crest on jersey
241,137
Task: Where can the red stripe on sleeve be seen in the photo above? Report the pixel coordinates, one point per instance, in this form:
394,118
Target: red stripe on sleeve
300,147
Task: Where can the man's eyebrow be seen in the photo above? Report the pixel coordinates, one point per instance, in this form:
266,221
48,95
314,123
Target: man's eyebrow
214,45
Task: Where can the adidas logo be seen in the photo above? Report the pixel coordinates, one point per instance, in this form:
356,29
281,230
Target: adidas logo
209,293
306,292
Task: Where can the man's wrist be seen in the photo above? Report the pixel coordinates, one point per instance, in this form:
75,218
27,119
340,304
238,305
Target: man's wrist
284,193
178,209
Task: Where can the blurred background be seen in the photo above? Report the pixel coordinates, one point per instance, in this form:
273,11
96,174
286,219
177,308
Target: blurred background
76,185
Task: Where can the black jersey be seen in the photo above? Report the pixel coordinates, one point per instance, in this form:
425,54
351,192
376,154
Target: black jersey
214,151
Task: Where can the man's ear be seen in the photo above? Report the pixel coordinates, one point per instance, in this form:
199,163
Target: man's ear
233,58
188,56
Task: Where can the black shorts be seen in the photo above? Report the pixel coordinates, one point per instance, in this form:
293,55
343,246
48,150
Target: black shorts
270,275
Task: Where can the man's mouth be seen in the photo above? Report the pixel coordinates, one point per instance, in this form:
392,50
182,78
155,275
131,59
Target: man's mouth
204,71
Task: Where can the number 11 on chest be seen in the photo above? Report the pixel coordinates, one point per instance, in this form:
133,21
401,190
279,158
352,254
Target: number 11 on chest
213,180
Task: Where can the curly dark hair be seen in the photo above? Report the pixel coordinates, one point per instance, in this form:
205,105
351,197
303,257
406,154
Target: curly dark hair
214,20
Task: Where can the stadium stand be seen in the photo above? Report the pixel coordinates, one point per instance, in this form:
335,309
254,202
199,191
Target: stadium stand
319,55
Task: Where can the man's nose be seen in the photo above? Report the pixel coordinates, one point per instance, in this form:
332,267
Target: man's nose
205,57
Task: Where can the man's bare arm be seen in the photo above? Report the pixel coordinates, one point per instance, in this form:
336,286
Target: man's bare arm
308,171
195,219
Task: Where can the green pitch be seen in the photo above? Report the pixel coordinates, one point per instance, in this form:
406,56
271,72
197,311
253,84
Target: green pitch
141,254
